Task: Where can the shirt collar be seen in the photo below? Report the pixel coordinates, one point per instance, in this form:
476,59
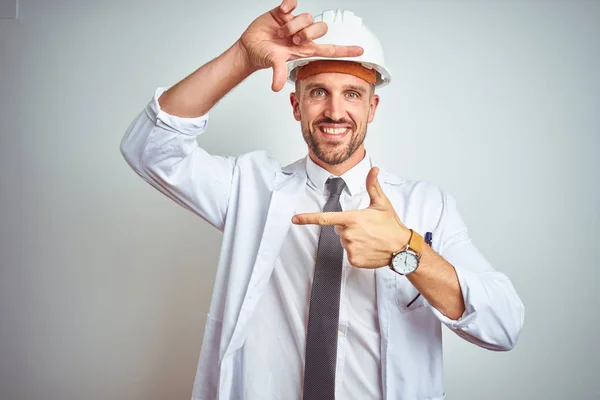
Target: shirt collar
355,178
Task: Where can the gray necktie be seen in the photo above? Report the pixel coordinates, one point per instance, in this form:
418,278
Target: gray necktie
323,315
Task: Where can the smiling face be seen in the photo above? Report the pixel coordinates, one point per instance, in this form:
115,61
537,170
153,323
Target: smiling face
334,110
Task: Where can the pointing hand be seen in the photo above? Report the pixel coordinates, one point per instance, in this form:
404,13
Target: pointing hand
370,236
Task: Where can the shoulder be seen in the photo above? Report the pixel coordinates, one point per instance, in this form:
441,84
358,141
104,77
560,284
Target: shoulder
260,164
416,190
258,160
424,200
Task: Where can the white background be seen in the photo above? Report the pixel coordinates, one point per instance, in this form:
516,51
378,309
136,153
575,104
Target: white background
105,283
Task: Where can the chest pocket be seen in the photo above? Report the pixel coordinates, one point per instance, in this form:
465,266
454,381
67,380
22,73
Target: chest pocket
408,297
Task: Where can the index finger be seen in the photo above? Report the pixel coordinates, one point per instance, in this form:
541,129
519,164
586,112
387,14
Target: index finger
323,218
287,6
332,50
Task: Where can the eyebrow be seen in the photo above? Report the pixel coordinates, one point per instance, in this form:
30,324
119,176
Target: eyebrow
356,88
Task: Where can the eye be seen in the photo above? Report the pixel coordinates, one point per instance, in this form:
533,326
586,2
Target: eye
317,92
353,95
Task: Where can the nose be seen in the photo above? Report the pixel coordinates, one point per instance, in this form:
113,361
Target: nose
335,108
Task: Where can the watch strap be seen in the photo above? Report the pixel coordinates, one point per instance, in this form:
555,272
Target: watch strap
416,242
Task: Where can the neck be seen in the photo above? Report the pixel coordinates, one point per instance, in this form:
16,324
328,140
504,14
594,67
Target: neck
340,169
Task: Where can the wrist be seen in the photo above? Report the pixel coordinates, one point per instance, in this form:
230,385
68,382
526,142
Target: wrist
242,59
402,240
406,260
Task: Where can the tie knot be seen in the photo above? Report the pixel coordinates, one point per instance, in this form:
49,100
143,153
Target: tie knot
336,185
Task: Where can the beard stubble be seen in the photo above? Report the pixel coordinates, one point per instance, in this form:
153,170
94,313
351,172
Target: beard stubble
322,149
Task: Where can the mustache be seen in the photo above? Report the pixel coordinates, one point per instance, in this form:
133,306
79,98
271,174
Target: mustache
332,121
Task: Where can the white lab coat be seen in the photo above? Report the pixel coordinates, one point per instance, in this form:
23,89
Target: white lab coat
252,199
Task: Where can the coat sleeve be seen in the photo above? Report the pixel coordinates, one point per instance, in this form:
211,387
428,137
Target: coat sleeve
162,149
494,314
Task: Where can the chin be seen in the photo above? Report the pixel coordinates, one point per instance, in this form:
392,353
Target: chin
332,158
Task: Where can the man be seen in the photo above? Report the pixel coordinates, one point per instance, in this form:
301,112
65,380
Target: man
322,290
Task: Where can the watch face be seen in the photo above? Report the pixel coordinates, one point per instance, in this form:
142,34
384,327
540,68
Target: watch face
405,262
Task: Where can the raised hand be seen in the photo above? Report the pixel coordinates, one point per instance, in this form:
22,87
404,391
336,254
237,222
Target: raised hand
278,36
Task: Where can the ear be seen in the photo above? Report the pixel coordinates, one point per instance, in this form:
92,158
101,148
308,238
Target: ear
373,103
295,106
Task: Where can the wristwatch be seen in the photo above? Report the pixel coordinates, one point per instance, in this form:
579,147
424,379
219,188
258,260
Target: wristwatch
407,260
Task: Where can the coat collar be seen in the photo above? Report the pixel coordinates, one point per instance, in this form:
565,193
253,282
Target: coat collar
295,169
386,177
299,168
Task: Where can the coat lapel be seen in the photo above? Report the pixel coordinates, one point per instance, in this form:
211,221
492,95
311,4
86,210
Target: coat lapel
287,185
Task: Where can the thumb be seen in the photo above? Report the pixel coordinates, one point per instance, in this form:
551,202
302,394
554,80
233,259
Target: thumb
376,194
280,73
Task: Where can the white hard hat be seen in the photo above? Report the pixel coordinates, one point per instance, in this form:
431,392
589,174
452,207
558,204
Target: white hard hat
347,29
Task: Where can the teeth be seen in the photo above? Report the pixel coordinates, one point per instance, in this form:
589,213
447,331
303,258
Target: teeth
334,131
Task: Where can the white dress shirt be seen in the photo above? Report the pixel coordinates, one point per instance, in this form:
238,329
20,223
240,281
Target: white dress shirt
251,198
277,332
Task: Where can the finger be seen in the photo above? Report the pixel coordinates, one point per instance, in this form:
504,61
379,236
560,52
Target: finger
283,13
325,218
280,74
287,6
374,188
335,51
295,25
310,33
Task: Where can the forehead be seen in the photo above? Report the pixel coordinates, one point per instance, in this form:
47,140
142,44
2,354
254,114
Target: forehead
334,81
